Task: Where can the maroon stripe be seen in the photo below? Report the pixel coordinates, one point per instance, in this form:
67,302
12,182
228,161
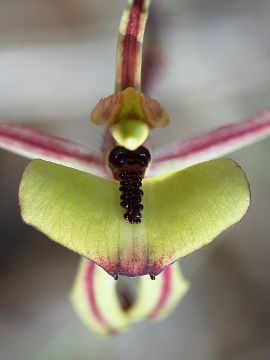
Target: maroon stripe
218,137
30,139
131,46
89,283
165,292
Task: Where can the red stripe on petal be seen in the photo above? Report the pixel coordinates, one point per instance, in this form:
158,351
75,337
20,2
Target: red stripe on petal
90,288
36,144
225,139
131,46
165,292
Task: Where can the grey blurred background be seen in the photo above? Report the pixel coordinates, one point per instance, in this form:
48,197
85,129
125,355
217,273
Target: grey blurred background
57,59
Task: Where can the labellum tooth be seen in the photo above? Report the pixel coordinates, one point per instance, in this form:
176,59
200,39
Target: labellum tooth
125,183
139,207
143,163
122,174
136,200
125,204
143,153
124,189
136,184
136,178
129,115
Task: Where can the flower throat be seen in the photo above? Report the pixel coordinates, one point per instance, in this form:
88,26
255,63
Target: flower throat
129,167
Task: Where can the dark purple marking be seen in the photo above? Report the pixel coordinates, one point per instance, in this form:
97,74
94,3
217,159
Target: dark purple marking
128,167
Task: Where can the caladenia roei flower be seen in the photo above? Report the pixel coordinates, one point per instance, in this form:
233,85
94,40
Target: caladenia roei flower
129,210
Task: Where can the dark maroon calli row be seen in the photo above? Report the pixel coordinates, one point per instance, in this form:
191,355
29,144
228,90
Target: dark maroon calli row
129,168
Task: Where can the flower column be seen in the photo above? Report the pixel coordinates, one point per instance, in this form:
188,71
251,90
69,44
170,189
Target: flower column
155,299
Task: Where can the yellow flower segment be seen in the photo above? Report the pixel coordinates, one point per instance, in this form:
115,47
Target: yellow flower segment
183,211
129,115
105,315
95,300
180,211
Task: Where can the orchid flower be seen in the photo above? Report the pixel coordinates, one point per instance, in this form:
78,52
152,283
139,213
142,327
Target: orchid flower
71,193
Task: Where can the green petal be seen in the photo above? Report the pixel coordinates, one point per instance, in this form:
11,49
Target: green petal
183,211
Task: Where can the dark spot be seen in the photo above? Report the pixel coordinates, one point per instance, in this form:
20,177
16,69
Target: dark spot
125,183
124,189
125,204
129,167
122,174
139,207
126,216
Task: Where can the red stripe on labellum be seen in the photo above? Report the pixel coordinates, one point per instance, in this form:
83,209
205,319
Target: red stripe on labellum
256,126
165,292
36,141
89,284
131,46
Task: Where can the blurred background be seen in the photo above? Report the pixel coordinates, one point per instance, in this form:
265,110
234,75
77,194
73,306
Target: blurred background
57,59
